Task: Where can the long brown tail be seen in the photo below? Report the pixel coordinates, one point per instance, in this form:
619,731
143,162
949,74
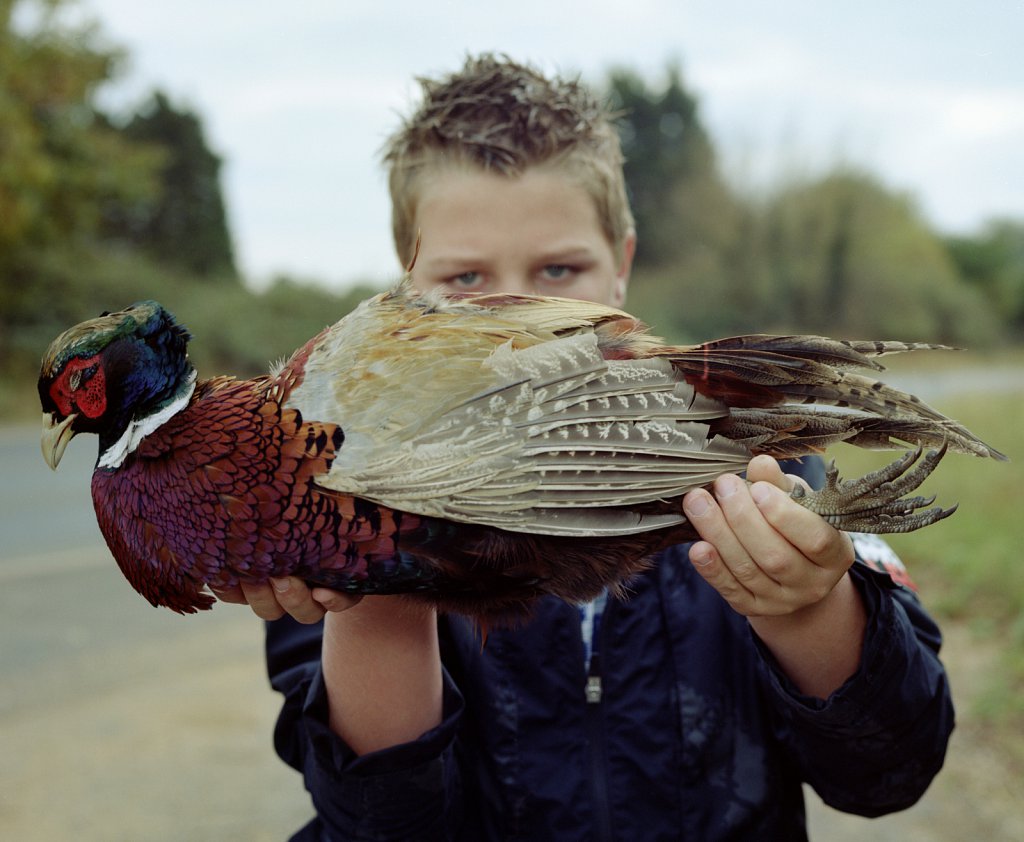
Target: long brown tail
764,379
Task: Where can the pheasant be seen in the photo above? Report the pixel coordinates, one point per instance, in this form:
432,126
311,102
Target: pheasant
474,451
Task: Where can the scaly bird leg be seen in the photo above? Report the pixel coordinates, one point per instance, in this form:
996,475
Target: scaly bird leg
875,503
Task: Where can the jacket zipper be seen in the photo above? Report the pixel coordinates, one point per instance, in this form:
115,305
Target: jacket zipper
598,749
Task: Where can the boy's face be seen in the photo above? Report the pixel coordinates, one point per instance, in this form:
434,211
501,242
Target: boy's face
534,234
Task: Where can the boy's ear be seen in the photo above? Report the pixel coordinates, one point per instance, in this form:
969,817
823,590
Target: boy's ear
622,276
619,291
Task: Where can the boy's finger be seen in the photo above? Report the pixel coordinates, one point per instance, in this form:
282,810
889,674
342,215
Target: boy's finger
758,556
708,563
294,596
334,600
706,515
232,594
817,540
766,469
262,600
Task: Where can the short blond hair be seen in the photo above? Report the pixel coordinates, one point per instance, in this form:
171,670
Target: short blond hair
504,117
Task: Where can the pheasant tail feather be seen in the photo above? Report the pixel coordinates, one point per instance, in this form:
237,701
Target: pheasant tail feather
756,375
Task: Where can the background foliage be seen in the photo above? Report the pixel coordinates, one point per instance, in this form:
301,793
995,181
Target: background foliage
99,209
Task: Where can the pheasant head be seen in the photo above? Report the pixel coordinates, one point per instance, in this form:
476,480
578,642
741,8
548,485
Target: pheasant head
119,376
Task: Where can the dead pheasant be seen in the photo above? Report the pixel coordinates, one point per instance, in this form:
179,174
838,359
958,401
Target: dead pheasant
478,452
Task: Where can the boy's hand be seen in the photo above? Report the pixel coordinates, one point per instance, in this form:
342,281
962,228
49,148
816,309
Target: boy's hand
289,595
763,552
784,568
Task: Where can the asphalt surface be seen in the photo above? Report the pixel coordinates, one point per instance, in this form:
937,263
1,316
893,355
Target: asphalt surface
119,721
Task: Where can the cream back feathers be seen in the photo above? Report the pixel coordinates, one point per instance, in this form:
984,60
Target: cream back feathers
563,417
495,419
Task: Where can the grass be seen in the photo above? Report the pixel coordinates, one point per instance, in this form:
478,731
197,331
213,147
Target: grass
968,567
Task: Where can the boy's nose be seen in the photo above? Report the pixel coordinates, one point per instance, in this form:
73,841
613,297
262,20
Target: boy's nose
512,283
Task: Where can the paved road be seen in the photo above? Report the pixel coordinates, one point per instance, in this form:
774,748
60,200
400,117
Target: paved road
123,722
119,721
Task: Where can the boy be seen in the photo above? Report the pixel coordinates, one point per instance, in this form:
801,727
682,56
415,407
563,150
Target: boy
742,665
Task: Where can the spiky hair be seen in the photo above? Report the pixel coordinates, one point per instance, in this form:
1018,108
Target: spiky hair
504,117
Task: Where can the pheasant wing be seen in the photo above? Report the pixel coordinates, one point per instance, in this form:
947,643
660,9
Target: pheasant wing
558,440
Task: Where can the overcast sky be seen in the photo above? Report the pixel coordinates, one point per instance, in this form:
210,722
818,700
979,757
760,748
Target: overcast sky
298,96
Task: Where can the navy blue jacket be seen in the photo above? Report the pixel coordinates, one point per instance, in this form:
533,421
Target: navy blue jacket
697,733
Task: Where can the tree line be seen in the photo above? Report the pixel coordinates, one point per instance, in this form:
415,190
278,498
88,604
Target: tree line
838,253
98,209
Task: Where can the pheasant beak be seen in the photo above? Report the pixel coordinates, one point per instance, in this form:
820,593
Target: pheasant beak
56,435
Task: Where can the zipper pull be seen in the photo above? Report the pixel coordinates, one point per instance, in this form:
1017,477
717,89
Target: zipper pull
593,689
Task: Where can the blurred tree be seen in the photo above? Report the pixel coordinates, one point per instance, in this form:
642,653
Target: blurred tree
681,205
993,261
847,255
60,163
185,225
840,254
691,229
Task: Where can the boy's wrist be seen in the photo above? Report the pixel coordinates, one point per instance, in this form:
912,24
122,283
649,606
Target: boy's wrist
382,671
820,645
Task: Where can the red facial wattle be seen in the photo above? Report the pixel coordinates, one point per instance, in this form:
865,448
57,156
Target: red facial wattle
81,387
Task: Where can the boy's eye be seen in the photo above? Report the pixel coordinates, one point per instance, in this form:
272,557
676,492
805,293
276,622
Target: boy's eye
558,272
466,281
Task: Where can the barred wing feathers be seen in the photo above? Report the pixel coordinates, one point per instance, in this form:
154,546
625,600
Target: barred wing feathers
562,417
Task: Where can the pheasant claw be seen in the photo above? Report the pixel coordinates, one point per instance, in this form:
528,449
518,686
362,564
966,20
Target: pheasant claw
876,503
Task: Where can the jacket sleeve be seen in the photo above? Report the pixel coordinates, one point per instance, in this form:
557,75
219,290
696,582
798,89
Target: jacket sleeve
407,792
875,744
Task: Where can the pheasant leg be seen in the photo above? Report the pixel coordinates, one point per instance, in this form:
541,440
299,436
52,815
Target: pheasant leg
875,502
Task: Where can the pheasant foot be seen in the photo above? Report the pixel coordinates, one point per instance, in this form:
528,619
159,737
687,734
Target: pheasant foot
875,502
